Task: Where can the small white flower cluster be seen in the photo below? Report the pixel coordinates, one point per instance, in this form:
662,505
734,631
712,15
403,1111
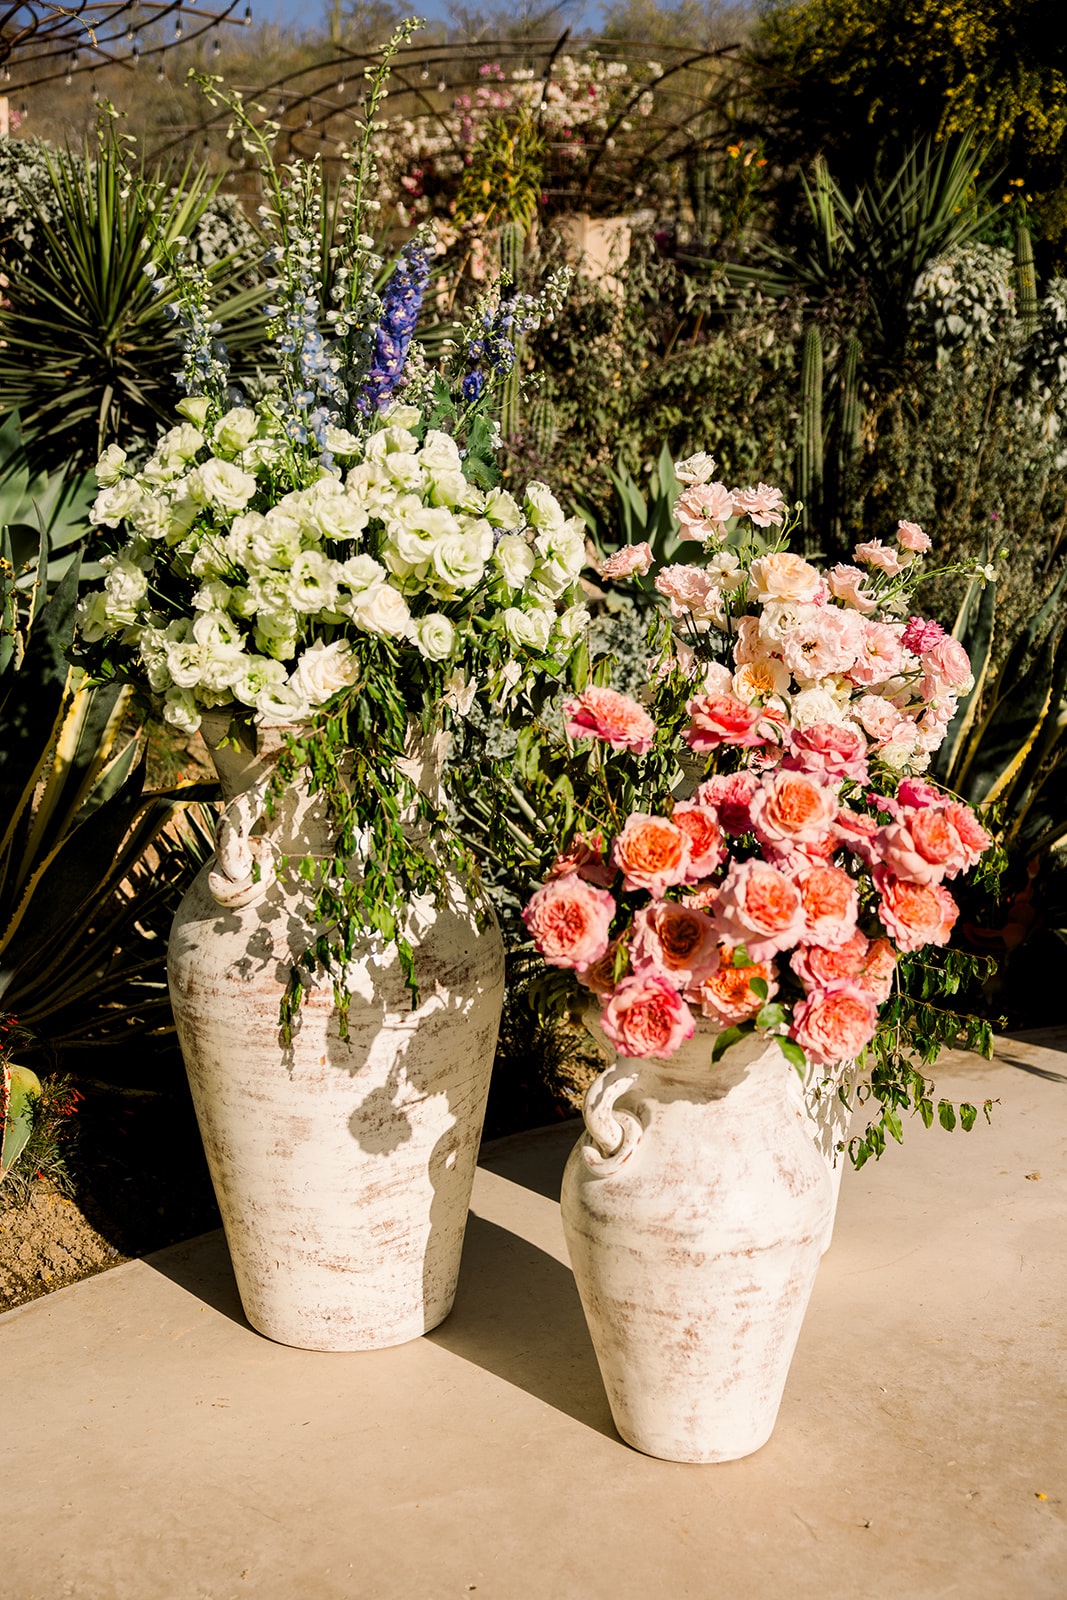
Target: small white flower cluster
235,585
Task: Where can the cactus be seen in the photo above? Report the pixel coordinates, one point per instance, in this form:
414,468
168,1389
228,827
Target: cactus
1025,279
849,424
512,245
543,428
810,450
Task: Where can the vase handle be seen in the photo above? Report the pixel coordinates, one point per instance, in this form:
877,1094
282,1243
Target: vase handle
244,866
615,1134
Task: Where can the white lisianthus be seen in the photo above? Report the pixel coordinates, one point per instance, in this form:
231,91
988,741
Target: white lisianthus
212,595
275,542
109,467
323,669
276,633
222,484
313,581
390,440
125,586
574,621
458,560
91,617
281,706
183,441
502,510
360,573
440,453
435,636
258,676
543,510
400,415
235,431
532,628
404,471
181,710
339,442
516,560
195,407
696,468
113,504
382,610
452,489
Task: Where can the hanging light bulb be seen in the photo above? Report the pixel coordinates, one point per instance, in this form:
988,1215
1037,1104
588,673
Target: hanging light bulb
94,91
441,86
216,47
247,18
178,26
135,51
129,33
70,69
161,75
341,84
424,74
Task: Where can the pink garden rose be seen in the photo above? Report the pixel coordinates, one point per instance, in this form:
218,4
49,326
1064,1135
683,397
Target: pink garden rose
827,640
599,976
827,750
817,967
914,914
704,508
677,941
857,831
652,852
925,849
973,838
879,717
921,634
914,793
793,808
849,585
947,661
911,537
690,590
831,904
569,921
600,713
706,849
759,907
730,794
718,719
762,505
625,562
878,555
646,1016
881,653
727,995
834,1024
585,856
878,970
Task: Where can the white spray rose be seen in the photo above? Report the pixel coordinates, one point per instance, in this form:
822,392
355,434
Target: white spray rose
516,560
235,430
109,467
435,636
697,468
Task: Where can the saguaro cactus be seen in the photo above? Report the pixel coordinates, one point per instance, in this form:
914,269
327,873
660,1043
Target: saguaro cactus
1025,279
543,428
849,426
809,473
512,246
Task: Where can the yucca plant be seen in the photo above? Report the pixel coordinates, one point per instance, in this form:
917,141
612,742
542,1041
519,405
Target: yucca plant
88,354
82,865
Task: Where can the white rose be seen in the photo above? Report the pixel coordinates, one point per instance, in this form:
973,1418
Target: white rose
323,669
458,560
223,484
697,468
235,430
382,610
530,628
196,408
778,619
543,510
502,509
111,505
516,560
435,636
109,467
440,453
181,710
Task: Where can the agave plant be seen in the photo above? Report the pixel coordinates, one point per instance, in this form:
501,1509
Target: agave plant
635,517
84,869
36,506
88,354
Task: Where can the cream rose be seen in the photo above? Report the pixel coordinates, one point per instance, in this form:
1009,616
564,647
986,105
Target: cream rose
323,669
382,610
516,560
223,484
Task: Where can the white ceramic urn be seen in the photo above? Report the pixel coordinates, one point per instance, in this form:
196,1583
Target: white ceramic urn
343,1167
694,1208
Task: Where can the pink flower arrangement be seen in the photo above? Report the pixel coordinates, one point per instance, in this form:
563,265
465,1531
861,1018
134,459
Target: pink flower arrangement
606,714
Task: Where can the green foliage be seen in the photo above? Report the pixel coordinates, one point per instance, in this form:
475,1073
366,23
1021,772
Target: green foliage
637,516
503,179
89,354
810,441
40,510
20,1092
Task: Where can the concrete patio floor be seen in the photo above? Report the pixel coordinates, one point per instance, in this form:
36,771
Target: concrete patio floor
156,1448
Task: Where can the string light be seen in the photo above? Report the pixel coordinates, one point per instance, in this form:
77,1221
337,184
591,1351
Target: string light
247,18
135,51
341,84
129,33
161,74
178,26
216,47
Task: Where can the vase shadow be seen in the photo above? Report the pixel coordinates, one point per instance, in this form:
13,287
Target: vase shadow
517,1316
202,1267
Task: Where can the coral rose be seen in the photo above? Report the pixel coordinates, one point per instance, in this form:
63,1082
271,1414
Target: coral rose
827,750
646,1016
718,719
706,850
831,904
730,793
818,967
878,970
834,1024
727,995
793,808
585,856
974,840
600,713
857,831
759,907
677,941
914,914
925,849
600,974
569,921
652,852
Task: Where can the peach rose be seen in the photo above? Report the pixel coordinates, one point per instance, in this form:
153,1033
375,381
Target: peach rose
759,907
730,794
793,808
783,576
718,719
727,995
834,1024
625,562
974,840
599,976
827,750
914,914
818,967
911,537
831,904
585,856
652,852
876,554
600,713
878,970
706,850
569,921
677,941
646,1016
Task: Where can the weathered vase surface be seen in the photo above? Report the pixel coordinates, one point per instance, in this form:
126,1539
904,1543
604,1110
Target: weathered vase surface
343,1168
694,1209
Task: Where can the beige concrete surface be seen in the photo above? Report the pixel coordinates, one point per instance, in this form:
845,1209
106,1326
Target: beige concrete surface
156,1448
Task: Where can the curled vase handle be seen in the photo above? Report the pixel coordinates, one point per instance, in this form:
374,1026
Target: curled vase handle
244,866
615,1134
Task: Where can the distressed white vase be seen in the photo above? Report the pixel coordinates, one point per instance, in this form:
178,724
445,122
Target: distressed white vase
694,1209
343,1168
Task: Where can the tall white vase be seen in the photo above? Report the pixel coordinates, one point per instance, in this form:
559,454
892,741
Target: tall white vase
694,1209
343,1168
